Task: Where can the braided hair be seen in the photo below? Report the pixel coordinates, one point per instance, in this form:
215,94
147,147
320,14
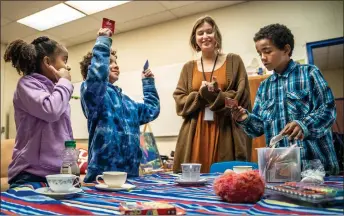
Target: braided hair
26,58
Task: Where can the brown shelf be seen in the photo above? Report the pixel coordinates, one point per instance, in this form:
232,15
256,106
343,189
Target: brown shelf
258,142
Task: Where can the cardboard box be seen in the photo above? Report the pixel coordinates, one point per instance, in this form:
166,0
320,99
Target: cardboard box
147,208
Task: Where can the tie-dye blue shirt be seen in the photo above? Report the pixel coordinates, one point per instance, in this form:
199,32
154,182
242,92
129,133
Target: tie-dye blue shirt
299,94
113,118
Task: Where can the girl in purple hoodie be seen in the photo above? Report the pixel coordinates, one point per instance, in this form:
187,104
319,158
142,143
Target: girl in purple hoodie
41,109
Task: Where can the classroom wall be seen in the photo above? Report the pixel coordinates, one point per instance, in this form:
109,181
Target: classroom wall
168,43
9,79
2,73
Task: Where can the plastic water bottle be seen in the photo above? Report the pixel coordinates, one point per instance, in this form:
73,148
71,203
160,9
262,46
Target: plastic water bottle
260,71
70,159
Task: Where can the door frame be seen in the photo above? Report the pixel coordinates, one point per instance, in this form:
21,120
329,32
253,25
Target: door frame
323,43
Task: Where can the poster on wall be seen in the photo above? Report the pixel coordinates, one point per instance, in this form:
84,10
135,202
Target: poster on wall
150,154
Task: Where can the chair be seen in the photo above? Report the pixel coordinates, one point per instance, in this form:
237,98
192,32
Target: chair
222,166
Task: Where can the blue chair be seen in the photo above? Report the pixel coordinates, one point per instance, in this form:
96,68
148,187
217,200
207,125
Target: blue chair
222,166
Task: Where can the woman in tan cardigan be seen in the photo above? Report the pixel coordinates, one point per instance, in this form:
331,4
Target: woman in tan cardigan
208,133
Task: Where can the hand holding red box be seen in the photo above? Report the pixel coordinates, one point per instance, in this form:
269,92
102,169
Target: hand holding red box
110,24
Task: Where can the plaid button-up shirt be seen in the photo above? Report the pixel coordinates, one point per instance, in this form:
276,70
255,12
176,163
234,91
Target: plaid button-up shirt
299,94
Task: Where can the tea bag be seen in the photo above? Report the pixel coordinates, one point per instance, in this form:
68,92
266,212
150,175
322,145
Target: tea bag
273,158
274,140
287,153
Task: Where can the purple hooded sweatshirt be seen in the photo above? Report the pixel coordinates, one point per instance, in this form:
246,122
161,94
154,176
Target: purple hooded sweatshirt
42,117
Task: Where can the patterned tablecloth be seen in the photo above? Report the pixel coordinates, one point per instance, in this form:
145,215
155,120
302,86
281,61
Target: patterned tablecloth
156,187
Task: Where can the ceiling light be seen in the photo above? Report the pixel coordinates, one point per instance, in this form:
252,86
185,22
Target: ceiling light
51,17
91,7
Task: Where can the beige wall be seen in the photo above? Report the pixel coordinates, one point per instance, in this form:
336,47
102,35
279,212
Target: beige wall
2,72
167,43
8,84
335,79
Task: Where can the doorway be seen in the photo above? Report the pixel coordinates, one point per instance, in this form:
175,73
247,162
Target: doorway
327,55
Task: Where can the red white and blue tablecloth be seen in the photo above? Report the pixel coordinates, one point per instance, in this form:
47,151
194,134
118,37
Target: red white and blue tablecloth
157,187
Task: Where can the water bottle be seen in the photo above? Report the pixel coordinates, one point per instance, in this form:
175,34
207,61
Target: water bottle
260,71
70,159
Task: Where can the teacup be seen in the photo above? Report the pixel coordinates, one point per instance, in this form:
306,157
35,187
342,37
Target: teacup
113,179
241,169
62,182
191,171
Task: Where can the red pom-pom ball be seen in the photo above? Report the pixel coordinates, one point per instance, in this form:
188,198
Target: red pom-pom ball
247,187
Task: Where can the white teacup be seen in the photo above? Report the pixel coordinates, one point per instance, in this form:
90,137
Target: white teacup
113,179
241,169
191,171
62,182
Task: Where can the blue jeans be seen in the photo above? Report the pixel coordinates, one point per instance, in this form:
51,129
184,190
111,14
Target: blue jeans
24,178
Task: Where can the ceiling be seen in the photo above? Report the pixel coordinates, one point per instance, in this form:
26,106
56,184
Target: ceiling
129,16
329,57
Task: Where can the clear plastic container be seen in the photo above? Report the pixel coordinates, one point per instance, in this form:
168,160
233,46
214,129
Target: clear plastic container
307,192
279,164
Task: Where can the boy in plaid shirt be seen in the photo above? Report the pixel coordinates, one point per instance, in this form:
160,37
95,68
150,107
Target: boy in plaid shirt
295,101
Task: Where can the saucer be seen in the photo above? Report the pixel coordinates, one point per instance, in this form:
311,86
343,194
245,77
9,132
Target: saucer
108,188
58,195
189,182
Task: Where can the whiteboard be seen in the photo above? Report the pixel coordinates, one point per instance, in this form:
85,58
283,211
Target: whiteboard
168,122
78,119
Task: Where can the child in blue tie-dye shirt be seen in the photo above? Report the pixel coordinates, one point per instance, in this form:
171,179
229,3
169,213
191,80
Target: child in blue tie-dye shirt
113,118
295,101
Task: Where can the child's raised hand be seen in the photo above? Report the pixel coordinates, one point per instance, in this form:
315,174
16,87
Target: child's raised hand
147,73
61,73
239,114
104,32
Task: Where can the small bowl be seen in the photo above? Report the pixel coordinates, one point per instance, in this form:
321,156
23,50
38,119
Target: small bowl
241,169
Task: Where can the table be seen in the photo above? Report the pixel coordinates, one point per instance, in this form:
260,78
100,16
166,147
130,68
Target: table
156,187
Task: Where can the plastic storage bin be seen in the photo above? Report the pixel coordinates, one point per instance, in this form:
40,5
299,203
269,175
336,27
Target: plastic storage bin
279,164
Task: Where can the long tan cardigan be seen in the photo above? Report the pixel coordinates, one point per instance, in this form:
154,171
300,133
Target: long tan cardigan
233,143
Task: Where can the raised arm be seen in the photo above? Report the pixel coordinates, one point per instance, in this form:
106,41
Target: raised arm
94,87
150,108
